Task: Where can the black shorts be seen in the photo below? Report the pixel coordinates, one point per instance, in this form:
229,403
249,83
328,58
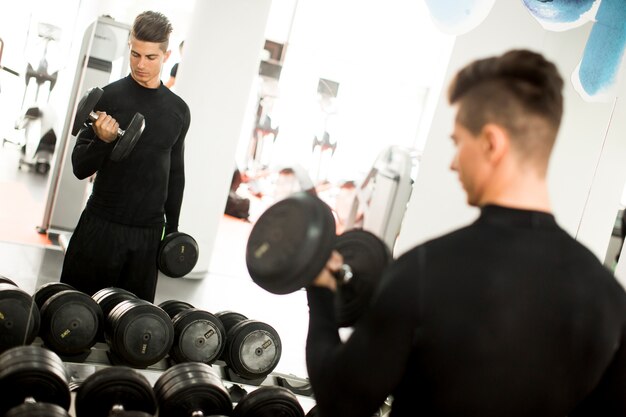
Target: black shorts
104,254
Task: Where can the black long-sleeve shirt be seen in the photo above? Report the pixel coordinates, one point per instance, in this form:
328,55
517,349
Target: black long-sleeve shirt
149,183
509,316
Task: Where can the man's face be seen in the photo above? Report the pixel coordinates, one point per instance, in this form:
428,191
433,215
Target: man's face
469,163
146,60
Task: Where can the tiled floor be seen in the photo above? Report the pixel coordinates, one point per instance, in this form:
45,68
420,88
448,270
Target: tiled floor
31,261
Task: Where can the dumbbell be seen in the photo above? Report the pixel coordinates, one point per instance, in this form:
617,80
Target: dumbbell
70,319
283,259
253,348
32,409
178,254
19,316
116,390
192,389
107,298
199,336
126,139
269,401
139,333
32,374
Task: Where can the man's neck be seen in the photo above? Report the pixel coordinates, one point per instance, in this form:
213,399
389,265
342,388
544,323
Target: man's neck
528,192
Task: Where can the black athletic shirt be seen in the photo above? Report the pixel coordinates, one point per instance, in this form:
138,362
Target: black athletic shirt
509,316
138,190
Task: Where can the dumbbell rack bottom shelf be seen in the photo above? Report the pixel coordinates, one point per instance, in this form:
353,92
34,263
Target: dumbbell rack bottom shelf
99,358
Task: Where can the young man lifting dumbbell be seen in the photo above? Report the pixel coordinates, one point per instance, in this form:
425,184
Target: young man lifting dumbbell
509,316
116,240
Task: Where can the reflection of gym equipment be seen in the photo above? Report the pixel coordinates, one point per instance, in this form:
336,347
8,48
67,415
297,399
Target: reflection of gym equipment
126,139
269,401
37,149
380,201
284,260
20,316
49,33
253,348
35,373
263,138
113,391
192,389
323,150
292,179
9,70
178,254
199,336
103,58
37,121
70,319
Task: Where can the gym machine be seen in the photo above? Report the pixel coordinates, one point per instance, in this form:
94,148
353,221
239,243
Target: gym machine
103,58
381,199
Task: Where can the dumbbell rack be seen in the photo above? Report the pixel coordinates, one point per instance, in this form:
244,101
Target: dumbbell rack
99,358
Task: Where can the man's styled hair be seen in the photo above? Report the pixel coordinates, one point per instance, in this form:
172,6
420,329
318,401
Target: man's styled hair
520,91
152,26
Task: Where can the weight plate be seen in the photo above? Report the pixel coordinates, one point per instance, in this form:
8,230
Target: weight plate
117,386
269,401
141,334
368,256
107,298
253,349
5,280
284,259
199,336
48,290
29,409
85,106
173,307
192,388
32,371
70,322
229,319
19,317
178,254
126,143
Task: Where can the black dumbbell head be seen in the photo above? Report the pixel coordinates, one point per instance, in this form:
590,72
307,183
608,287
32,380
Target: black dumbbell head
290,243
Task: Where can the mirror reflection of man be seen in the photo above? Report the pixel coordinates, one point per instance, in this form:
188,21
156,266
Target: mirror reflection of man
135,200
508,316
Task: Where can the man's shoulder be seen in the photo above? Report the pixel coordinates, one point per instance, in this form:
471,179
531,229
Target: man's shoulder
176,101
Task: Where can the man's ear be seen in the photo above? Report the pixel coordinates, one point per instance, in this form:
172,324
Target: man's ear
166,55
496,141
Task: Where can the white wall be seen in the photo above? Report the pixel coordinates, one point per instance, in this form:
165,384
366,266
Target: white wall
438,205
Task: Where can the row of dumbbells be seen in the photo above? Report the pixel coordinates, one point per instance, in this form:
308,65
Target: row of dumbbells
35,382
138,333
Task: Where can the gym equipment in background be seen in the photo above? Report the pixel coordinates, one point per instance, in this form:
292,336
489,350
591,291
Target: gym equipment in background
283,260
382,197
126,139
103,58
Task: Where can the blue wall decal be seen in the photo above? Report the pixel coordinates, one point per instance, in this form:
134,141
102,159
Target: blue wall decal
459,16
604,51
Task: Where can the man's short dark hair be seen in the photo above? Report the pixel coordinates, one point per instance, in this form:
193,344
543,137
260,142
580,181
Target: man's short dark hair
519,90
152,26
